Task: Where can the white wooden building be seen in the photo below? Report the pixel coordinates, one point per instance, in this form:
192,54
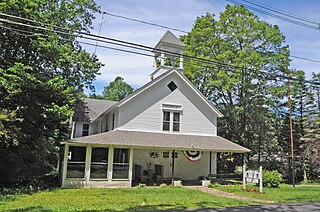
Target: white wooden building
165,130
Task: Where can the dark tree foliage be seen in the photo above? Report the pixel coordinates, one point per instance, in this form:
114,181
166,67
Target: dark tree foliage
41,75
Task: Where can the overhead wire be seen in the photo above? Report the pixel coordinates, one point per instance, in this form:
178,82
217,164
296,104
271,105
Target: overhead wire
274,15
145,22
30,20
128,44
280,12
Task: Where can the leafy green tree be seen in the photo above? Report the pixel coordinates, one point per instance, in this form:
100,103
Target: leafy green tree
244,95
117,90
42,73
310,142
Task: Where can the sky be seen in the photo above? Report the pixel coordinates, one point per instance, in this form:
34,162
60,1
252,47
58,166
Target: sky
181,14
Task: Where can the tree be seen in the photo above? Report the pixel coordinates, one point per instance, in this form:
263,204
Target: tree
42,72
117,90
310,142
242,94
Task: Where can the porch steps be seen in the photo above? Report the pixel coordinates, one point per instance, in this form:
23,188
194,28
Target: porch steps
226,194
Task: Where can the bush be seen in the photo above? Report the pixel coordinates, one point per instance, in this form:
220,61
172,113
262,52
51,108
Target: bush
271,179
163,185
142,185
214,185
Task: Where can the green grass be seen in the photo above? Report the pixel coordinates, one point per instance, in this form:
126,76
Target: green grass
114,200
285,193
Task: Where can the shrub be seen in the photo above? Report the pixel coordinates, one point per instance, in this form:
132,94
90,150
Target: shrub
271,179
214,185
163,185
142,185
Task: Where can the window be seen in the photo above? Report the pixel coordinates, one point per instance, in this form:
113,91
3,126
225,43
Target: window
176,122
165,154
76,162
99,163
85,129
166,121
169,125
113,117
107,124
120,164
175,155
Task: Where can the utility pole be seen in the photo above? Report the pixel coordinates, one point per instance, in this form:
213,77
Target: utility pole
291,134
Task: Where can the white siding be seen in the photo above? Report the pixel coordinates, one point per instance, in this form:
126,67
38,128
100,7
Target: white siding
144,112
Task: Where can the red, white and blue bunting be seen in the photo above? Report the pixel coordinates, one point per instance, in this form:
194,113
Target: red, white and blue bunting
193,156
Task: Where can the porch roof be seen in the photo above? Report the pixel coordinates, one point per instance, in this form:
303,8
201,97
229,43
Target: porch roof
161,140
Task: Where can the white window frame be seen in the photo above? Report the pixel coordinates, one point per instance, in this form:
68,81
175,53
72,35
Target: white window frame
113,120
98,163
171,120
85,130
76,162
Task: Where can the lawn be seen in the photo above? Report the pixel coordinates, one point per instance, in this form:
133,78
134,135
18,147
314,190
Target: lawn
114,200
285,193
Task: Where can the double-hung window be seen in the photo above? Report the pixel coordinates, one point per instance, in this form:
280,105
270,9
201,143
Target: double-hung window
176,122
107,124
113,120
171,121
166,121
85,129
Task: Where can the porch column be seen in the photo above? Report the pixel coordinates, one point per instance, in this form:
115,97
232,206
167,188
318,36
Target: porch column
110,163
130,165
172,170
88,164
214,163
210,163
65,163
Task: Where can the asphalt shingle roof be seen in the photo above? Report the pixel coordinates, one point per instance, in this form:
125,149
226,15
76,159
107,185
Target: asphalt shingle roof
162,140
90,109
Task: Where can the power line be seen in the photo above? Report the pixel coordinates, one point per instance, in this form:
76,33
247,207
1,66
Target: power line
133,46
25,19
280,12
274,15
268,76
303,58
145,22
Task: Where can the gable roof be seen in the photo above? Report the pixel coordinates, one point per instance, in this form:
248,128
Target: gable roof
159,78
170,38
161,140
90,109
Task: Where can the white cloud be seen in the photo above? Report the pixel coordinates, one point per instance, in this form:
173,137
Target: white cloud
182,14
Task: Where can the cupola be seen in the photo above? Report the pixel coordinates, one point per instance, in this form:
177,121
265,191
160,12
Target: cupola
167,54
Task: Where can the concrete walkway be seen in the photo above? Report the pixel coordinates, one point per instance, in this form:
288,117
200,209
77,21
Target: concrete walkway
227,194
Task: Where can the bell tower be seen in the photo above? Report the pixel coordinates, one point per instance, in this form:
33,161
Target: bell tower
167,54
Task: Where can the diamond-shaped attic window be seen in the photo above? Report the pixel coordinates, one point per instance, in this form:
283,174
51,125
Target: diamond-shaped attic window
172,86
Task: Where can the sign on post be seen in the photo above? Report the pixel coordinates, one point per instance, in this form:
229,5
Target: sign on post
252,176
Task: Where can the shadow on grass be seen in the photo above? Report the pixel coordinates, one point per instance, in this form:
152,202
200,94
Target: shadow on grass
31,208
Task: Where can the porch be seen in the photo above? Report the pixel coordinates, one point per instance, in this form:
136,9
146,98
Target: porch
118,158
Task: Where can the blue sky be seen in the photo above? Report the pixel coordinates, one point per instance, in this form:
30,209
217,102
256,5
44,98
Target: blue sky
136,70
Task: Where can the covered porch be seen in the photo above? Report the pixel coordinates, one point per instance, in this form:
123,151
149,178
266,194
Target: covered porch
124,158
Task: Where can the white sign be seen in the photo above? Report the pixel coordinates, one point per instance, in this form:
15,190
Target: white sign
252,176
